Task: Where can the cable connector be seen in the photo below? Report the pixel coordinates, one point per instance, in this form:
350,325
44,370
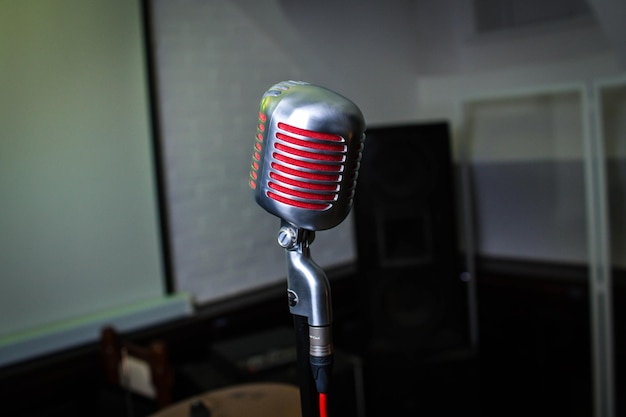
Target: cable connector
322,367
321,356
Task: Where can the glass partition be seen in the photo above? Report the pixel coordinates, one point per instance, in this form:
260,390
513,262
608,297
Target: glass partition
525,153
611,106
528,182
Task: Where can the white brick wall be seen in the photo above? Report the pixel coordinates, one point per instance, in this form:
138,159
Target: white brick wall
213,66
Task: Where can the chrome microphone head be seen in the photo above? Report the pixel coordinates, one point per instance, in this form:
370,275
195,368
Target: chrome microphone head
307,152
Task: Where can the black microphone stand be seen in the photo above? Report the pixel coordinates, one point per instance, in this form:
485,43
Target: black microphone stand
310,304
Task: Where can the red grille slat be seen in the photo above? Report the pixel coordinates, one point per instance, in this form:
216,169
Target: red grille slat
310,133
301,194
296,203
309,155
307,175
331,147
303,184
307,165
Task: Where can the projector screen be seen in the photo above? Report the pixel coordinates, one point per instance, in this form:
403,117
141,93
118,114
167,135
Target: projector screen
79,227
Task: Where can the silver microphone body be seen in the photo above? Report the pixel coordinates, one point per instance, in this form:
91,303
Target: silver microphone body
306,154
305,162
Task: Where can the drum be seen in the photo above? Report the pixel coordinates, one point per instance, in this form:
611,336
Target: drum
253,399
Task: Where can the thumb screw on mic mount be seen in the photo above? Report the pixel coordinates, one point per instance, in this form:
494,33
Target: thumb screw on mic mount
287,237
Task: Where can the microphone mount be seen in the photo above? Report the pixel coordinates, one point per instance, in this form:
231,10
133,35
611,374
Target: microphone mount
308,291
307,285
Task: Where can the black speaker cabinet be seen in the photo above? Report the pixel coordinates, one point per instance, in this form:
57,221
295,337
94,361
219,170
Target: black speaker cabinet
408,256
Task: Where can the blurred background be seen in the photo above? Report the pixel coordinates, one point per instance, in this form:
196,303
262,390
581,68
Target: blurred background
481,270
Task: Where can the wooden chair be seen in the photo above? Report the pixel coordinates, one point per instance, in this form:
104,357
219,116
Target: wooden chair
124,360
142,370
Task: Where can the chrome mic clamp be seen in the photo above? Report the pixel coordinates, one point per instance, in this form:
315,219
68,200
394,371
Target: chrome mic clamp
309,295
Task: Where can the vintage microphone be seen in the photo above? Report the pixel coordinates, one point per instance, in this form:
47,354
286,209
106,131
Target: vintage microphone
305,164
